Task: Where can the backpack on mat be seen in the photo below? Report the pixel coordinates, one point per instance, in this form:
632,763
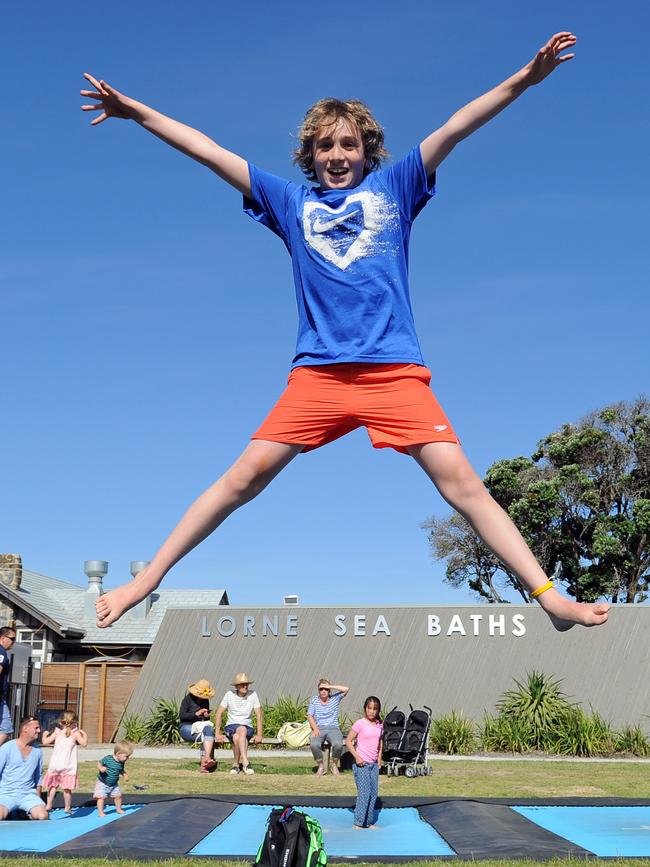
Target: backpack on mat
292,839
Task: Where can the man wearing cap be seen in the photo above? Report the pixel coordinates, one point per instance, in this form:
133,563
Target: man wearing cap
239,703
195,722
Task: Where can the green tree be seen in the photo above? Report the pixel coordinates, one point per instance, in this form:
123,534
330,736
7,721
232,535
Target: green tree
581,500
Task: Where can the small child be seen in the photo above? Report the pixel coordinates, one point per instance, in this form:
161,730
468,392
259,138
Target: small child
62,767
364,742
110,768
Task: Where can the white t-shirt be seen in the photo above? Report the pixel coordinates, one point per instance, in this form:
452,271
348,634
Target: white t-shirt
240,710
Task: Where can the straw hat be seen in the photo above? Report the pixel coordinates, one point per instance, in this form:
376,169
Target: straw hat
241,678
201,689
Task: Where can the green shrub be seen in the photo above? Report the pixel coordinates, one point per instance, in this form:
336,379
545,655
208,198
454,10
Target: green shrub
162,724
285,709
134,728
347,720
506,733
632,739
540,703
453,734
582,734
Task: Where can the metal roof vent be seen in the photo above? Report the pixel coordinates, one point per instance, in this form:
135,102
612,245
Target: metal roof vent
95,570
292,599
142,608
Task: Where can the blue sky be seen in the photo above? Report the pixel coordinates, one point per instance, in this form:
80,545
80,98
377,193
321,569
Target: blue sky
148,324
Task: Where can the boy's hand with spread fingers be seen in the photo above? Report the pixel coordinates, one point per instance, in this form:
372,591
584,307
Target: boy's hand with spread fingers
548,57
110,102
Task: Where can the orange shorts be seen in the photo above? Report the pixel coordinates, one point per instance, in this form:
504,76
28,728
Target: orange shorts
392,401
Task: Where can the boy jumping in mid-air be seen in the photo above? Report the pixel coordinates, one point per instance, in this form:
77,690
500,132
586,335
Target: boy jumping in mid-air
358,360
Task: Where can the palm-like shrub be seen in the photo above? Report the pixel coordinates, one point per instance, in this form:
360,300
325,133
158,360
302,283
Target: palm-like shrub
505,733
583,734
452,734
134,728
162,724
632,739
540,703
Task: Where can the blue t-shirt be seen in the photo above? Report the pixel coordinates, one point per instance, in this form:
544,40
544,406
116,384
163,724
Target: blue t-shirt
326,715
349,250
19,775
4,675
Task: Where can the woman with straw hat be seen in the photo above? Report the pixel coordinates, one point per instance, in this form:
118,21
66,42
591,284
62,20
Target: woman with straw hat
195,721
240,703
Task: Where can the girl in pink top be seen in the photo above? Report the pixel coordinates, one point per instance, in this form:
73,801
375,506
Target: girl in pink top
364,742
62,768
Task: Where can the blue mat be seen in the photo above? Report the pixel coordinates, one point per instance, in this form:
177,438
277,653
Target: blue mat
400,831
27,836
605,831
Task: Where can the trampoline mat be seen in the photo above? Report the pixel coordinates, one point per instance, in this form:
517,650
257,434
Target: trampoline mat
408,829
399,831
23,836
608,832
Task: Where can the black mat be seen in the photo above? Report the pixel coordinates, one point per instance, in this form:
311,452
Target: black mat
169,826
479,830
165,828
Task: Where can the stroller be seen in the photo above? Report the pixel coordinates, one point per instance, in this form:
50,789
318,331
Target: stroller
407,751
394,723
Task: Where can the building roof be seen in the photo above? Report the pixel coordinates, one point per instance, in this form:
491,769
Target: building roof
60,605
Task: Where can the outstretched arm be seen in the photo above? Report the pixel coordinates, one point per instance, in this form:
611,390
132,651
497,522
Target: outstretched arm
466,120
111,103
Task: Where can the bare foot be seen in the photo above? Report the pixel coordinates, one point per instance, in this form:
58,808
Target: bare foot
320,771
120,811
111,605
334,770
101,815
372,827
565,613
357,827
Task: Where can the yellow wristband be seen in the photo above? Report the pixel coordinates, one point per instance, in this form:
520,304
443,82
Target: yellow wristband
542,589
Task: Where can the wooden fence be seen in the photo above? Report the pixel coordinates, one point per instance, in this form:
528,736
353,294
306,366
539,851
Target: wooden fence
106,686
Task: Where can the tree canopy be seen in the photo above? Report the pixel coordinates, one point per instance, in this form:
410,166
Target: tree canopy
581,500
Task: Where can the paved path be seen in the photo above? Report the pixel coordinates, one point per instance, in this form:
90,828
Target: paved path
94,752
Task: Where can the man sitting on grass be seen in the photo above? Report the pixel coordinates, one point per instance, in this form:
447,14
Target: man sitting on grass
21,768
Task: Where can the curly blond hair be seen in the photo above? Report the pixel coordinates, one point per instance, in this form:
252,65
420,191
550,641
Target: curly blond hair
327,112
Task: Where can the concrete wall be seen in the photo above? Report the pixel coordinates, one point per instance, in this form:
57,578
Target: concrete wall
426,658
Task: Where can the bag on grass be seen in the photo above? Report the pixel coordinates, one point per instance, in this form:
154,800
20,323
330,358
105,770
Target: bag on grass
292,839
295,734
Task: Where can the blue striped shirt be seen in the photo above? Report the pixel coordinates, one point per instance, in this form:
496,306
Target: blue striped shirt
326,715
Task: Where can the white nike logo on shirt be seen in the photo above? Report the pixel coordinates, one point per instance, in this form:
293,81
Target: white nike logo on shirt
319,226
